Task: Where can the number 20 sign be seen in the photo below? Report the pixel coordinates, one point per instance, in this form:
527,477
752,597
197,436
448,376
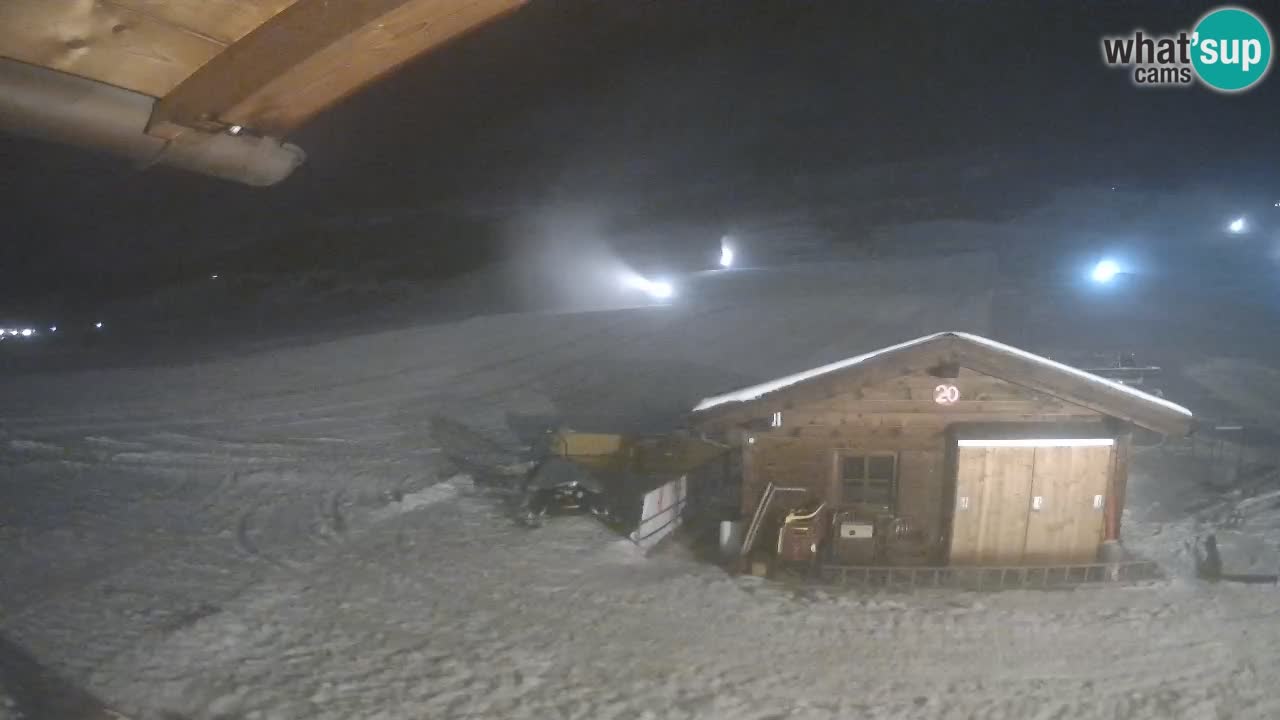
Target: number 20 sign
946,394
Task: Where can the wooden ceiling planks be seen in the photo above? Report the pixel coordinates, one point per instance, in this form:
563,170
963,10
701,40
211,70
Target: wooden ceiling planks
102,42
269,65
224,21
311,55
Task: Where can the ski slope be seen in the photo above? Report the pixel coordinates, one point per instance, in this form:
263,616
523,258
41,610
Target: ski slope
286,533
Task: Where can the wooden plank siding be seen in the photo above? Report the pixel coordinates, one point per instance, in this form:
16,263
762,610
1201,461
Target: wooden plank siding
912,361
1000,525
801,426
105,42
225,21
937,357
1085,392
996,482
965,542
265,65
922,491
1118,488
890,416
898,415
311,55
1068,528
902,398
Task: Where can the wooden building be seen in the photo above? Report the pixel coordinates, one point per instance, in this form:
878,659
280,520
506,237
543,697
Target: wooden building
950,449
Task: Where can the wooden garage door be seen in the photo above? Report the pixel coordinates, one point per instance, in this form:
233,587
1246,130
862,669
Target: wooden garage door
1069,524
993,492
1023,503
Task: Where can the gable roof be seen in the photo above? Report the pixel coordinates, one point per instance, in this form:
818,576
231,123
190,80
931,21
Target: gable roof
997,359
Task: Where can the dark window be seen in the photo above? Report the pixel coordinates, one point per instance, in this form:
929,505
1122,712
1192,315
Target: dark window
869,480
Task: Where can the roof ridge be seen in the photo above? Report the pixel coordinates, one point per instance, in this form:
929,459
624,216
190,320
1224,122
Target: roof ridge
758,390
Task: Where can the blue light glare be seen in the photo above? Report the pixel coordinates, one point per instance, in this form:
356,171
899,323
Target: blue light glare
1105,271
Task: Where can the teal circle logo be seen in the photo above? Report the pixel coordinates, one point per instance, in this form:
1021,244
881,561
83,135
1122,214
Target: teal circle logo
1231,49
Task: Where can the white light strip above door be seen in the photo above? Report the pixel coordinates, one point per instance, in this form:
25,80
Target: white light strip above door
1040,442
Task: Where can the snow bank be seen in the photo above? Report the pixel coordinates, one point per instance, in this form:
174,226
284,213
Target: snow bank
8,707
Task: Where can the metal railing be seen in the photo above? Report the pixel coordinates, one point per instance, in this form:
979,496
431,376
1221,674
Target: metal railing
987,578
762,509
1234,452
677,512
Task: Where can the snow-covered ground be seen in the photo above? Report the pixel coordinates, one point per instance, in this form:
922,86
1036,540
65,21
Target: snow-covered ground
292,533
8,707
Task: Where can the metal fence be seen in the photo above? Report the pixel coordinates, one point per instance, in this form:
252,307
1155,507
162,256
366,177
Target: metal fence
1235,453
986,578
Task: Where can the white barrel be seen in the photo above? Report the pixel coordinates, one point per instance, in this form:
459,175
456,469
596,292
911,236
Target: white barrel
731,532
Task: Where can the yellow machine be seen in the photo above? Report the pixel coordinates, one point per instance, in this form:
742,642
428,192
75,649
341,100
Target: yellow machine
803,532
646,454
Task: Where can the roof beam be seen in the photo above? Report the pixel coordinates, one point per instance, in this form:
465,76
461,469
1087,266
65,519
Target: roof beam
308,57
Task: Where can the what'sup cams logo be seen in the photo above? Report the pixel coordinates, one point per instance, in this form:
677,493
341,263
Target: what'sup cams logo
1228,50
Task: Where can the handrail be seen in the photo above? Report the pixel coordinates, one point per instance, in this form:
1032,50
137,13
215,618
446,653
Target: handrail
758,518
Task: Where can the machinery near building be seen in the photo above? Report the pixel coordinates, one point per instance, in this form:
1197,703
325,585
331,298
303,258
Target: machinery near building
646,486
804,530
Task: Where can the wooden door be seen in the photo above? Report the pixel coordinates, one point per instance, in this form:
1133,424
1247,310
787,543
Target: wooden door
993,494
1019,503
1071,483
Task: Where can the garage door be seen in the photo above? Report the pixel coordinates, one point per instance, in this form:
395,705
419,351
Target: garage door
1021,502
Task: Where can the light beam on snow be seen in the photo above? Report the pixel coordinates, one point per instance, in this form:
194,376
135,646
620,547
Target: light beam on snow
657,289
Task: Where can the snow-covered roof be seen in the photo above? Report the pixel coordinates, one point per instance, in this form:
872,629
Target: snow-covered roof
764,388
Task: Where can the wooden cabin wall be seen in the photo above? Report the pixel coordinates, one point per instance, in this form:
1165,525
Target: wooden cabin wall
1117,489
810,462
899,416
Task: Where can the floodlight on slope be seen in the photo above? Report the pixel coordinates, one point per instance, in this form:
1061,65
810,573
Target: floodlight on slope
1105,271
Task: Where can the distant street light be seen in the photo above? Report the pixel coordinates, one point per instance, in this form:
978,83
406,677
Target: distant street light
1105,271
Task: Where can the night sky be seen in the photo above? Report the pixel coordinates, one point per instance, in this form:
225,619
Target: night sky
660,112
